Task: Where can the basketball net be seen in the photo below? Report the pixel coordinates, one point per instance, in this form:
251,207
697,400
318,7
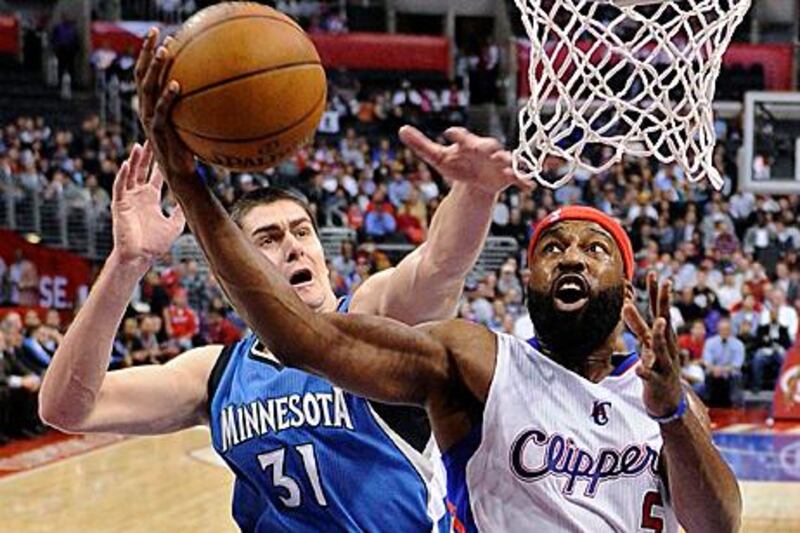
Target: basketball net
623,77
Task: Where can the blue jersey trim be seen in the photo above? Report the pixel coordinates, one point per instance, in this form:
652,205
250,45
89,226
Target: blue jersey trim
625,364
343,306
455,462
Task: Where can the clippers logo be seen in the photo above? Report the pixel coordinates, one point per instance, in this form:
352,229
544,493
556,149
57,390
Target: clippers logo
600,412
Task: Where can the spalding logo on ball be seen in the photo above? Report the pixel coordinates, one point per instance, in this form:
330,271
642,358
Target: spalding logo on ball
252,85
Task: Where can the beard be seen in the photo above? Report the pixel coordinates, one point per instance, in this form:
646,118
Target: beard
575,335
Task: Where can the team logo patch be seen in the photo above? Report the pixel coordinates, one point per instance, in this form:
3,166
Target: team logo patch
600,412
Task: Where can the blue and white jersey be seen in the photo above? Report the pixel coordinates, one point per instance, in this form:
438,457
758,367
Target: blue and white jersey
557,452
309,456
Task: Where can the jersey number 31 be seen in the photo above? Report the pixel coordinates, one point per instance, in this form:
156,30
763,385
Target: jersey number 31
275,459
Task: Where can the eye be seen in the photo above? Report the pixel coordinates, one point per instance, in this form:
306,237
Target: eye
552,247
597,248
303,232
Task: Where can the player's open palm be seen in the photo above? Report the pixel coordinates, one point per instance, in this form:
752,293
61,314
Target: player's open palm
141,231
660,369
478,161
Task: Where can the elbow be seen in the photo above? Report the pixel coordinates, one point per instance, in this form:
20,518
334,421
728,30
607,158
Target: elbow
55,415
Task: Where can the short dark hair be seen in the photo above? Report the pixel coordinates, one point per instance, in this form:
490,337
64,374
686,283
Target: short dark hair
266,196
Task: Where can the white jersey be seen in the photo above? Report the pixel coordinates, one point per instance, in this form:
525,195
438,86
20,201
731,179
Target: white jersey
556,452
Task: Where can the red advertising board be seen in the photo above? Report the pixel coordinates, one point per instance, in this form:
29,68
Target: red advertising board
62,276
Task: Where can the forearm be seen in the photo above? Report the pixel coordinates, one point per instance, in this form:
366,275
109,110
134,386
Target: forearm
426,285
366,355
704,491
73,380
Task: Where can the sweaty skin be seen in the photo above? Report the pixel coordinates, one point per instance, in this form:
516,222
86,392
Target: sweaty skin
447,367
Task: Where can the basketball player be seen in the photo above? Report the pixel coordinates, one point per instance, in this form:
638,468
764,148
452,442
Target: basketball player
307,455
554,434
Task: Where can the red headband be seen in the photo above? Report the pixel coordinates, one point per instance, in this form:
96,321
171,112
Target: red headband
590,214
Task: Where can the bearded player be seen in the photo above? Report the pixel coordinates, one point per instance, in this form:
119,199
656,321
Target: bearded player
556,433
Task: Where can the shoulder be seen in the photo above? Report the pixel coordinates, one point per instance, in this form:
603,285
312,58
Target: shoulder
366,299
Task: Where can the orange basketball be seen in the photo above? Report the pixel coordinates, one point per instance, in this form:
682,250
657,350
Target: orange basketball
252,85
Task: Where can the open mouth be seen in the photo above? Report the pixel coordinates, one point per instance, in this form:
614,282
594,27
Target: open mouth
300,277
571,292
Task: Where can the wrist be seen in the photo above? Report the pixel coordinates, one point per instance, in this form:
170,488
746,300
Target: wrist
473,192
673,414
134,266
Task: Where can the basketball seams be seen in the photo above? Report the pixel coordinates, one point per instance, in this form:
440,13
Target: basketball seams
230,140
183,44
246,75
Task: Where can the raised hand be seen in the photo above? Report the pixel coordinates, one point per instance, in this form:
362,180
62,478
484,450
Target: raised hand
156,98
480,162
141,231
660,369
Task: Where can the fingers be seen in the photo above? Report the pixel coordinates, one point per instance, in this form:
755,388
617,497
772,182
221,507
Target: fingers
133,166
457,135
660,344
164,107
157,178
421,145
636,324
644,371
663,300
120,181
520,183
502,157
142,170
150,85
652,292
145,58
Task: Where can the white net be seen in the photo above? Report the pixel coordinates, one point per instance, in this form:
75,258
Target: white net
622,77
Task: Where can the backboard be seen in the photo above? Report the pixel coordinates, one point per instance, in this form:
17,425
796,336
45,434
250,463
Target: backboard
770,159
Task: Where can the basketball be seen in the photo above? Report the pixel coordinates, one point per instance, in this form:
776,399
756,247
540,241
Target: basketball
252,86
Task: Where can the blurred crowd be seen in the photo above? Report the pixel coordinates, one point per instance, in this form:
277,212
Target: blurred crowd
732,256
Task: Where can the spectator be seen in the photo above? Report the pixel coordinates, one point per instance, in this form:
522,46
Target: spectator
128,348
772,341
693,343
24,281
747,313
66,45
220,329
345,263
34,354
786,314
194,283
379,223
508,280
723,357
730,292
180,322
18,389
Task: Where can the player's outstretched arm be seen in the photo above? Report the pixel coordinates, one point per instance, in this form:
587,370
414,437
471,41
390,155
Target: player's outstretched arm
702,486
78,394
427,283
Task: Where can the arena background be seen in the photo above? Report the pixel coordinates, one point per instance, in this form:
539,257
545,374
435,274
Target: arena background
67,113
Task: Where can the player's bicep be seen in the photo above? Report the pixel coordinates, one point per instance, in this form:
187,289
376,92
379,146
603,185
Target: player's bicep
154,399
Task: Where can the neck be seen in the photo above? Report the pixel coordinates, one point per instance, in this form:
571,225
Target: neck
596,366
329,304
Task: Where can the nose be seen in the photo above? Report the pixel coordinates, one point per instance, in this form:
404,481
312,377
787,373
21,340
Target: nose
293,249
573,259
